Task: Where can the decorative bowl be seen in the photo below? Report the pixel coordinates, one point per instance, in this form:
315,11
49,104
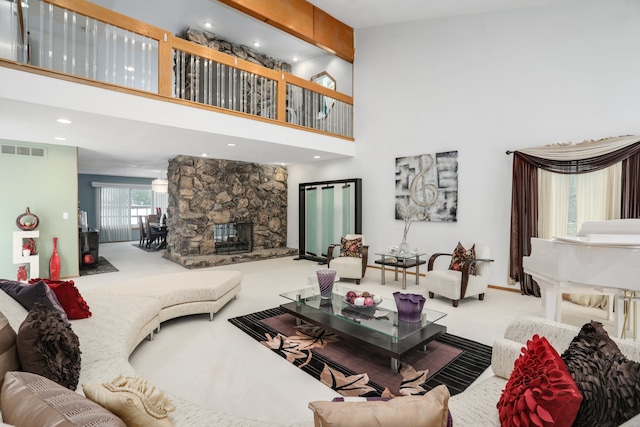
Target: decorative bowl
360,307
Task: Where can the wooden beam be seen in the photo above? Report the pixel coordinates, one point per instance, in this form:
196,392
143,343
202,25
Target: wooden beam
303,20
292,16
332,35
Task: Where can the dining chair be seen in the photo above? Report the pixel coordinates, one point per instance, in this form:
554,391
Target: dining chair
143,231
153,234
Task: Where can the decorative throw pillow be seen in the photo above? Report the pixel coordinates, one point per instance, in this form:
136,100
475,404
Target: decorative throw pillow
428,410
31,400
351,247
8,351
69,297
136,402
47,346
540,391
460,255
379,399
27,295
607,379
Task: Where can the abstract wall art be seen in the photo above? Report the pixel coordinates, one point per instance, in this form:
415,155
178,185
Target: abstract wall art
427,186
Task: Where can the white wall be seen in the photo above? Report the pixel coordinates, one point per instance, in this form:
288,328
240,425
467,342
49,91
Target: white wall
481,85
339,69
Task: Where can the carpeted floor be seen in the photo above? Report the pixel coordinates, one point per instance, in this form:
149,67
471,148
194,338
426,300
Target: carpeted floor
153,248
353,371
104,266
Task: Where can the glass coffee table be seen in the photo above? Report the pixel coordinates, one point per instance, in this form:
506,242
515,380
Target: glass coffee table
375,327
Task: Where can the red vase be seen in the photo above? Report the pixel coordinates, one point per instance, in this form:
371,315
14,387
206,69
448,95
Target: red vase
54,262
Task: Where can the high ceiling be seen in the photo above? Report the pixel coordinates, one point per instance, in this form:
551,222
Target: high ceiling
119,146
369,13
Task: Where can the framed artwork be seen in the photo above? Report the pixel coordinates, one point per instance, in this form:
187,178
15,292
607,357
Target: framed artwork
427,187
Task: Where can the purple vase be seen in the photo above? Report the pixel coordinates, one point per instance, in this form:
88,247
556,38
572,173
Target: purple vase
409,306
325,280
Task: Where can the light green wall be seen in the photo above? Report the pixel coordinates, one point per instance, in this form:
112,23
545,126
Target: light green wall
49,187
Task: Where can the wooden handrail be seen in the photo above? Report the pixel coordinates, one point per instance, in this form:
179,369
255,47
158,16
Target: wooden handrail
167,43
295,80
110,17
241,64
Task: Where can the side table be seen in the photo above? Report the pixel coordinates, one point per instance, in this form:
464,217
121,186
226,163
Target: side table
402,261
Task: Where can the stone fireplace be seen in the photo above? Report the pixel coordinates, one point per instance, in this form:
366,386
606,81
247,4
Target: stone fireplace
204,194
233,238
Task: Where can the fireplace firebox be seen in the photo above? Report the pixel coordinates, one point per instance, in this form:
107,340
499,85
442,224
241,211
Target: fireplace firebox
233,238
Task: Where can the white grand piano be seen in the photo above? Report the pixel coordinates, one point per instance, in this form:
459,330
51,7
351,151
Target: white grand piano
604,257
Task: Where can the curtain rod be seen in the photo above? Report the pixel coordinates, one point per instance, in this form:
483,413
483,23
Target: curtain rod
509,152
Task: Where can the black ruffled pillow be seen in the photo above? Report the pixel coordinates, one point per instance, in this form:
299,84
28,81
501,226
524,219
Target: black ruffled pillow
48,347
608,381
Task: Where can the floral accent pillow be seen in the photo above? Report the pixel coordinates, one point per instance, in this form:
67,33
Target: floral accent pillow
460,255
540,391
351,247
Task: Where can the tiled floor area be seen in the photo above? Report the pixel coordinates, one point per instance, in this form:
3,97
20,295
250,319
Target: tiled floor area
219,367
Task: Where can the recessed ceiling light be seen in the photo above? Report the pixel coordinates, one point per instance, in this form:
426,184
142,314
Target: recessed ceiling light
204,154
256,44
208,24
63,121
231,144
316,157
59,138
294,59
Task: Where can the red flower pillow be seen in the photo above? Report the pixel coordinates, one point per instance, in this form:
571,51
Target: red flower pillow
69,298
460,255
540,391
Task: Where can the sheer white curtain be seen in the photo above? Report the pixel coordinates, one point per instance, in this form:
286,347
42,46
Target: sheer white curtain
598,195
114,213
554,190
597,198
159,200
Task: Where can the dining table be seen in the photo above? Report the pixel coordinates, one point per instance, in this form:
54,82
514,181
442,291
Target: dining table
160,227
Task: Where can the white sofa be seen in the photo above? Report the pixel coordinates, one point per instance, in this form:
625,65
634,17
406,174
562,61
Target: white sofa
126,313
479,401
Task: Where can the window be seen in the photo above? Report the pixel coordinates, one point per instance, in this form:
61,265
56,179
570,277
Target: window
120,205
140,204
565,202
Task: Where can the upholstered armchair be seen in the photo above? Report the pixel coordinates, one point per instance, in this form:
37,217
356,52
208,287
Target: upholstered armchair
459,281
352,260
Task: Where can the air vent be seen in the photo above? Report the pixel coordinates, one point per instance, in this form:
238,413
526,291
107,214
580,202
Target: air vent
23,150
8,149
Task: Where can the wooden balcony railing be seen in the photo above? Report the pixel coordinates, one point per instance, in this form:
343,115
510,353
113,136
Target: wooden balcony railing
81,39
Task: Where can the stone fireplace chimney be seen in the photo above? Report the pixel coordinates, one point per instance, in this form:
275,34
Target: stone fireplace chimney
204,193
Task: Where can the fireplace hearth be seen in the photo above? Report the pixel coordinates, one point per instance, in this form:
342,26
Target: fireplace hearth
233,238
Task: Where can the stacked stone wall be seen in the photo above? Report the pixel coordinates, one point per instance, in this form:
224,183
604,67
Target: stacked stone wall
206,192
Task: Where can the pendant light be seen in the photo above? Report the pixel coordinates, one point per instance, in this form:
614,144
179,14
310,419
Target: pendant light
160,185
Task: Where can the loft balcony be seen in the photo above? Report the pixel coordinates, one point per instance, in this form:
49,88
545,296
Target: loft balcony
79,43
